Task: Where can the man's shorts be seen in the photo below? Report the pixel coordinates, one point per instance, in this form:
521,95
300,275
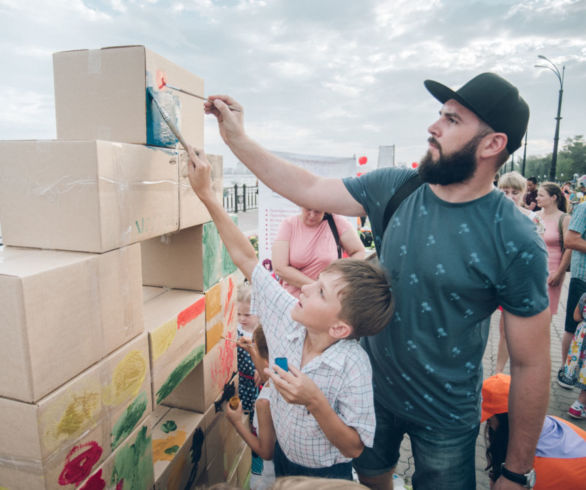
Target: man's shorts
575,291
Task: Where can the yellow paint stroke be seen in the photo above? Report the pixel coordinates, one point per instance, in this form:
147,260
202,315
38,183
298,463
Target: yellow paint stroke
78,414
159,445
127,378
213,335
162,338
213,301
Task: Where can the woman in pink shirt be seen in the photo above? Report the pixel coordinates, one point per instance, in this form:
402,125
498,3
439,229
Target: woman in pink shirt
305,246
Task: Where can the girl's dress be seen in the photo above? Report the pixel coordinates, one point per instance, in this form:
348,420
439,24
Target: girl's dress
574,372
247,390
554,251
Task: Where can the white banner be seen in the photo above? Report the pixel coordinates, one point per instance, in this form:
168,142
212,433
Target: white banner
273,208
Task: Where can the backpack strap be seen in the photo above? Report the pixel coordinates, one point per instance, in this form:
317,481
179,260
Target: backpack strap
332,224
409,186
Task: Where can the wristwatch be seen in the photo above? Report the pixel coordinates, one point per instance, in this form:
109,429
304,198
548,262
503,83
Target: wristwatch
527,480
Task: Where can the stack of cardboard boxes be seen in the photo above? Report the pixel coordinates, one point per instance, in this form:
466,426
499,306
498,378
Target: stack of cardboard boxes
88,355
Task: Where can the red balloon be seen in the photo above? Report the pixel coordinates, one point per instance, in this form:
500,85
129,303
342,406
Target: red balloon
358,174
362,160
414,165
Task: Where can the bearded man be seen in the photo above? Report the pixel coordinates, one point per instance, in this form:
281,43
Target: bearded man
454,250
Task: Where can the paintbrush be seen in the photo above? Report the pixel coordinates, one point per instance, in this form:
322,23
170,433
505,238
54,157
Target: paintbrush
233,340
162,82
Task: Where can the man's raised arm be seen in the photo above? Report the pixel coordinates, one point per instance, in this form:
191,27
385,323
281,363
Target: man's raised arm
296,184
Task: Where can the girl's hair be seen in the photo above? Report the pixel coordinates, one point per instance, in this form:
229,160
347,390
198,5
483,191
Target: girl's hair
258,337
554,190
244,293
513,180
496,445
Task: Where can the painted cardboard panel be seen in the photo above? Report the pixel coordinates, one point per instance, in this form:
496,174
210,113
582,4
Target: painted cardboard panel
192,259
90,196
61,312
201,387
240,475
178,449
221,310
175,321
130,467
191,210
70,432
102,94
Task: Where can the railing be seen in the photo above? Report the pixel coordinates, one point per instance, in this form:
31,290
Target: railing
240,198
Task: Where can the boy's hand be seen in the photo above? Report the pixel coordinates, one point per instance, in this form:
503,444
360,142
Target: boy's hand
230,121
200,172
233,415
246,344
294,386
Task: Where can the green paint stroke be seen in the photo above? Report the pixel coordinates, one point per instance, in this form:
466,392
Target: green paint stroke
128,421
133,464
212,249
169,426
227,265
180,372
172,449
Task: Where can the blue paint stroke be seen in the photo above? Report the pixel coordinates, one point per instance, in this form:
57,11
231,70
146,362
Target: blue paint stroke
158,132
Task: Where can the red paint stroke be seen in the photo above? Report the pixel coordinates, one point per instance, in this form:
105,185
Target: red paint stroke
191,312
222,370
120,484
230,289
95,482
161,77
231,315
78,467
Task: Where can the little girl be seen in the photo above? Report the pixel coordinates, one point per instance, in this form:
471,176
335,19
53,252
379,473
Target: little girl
261,436
248,377
574,370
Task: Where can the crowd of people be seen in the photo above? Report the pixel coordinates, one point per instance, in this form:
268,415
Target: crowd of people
372,350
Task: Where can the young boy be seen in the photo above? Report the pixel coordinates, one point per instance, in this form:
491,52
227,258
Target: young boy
322,407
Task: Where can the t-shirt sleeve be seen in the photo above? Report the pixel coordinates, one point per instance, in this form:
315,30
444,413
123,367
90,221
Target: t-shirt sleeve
374,190
355,402
523,290
342,224
271,303
578,221
285,230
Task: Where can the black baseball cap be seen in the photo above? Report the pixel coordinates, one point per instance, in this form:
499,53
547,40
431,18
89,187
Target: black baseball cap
494,100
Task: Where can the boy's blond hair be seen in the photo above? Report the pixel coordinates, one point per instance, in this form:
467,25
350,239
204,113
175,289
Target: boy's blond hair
366,298
513,180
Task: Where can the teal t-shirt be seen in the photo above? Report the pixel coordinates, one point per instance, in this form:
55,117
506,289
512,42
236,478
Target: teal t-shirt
578,224
450,265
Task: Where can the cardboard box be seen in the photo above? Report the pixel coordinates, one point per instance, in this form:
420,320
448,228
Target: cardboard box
102,94
82,421
129,467
221,310
194,259
178,449
90,196
192,212
202,386
61,312
175,321
240,475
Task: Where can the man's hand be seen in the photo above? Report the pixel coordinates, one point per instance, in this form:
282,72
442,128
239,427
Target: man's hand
230,121
504,484
294,386
200,172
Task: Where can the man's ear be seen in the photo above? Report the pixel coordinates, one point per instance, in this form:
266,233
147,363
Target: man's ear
340,330
493,144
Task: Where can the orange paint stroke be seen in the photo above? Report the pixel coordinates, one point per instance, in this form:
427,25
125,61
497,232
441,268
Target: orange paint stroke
191,312
213,335
160,445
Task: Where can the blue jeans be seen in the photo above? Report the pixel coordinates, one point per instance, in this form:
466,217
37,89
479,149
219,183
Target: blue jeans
443,461
284,467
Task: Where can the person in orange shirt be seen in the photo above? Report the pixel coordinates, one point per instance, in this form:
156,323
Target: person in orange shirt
560,458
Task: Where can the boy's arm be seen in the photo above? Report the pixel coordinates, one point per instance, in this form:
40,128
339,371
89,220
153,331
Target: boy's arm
235,416
296,387
578,313
240,249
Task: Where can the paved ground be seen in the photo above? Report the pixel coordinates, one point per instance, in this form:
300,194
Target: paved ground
560,399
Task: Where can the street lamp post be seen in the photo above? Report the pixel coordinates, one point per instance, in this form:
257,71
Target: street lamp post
560,76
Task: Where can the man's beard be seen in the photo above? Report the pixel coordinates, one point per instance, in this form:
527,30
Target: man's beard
450,169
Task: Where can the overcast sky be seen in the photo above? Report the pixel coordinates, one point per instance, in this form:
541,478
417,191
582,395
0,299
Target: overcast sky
331,77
